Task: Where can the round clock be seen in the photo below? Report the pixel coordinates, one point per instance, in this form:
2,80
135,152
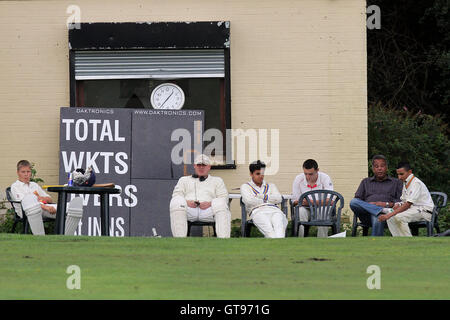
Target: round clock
167,96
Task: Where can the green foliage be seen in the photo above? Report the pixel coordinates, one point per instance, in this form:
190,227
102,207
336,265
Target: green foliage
438,14
414,137
408,68
7,222
444,218
33,175
408,58
236,228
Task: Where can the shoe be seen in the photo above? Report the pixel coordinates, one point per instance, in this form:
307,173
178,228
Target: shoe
387,210
443,234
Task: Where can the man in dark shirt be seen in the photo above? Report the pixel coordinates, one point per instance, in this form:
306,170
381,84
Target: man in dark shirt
375,195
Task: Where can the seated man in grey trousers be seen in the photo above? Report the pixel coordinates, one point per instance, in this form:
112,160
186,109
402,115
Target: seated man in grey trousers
376,195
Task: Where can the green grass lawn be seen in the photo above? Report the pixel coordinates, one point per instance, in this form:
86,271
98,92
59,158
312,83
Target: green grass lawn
209,268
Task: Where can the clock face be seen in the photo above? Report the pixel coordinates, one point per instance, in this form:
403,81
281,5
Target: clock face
167,96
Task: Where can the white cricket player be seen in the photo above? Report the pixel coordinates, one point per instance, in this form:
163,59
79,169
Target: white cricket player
261,200
200,197
416,204
37,203
310,179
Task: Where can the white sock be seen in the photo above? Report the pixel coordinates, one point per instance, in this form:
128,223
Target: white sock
74,214
33,211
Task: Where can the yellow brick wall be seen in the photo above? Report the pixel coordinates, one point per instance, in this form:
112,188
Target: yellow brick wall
297,66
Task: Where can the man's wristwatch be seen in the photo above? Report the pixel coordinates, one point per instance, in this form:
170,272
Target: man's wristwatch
387,204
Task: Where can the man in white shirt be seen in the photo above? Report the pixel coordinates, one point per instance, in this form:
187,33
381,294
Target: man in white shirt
310,179
416,203
200,197
261,199
37,203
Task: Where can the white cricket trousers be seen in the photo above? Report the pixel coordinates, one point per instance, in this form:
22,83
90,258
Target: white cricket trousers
322,232
221,218
180,214
398,224
270,221
197,214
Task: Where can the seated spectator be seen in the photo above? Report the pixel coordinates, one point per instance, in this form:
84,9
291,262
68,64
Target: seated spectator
310,179
261,199
416,203
37,203
376,195
200,197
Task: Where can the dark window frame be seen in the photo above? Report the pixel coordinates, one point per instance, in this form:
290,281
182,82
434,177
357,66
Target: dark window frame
164,35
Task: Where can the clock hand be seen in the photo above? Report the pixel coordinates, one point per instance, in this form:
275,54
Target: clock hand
167,98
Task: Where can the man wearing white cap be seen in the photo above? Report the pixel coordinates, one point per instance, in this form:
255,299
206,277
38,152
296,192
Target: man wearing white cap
200,197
